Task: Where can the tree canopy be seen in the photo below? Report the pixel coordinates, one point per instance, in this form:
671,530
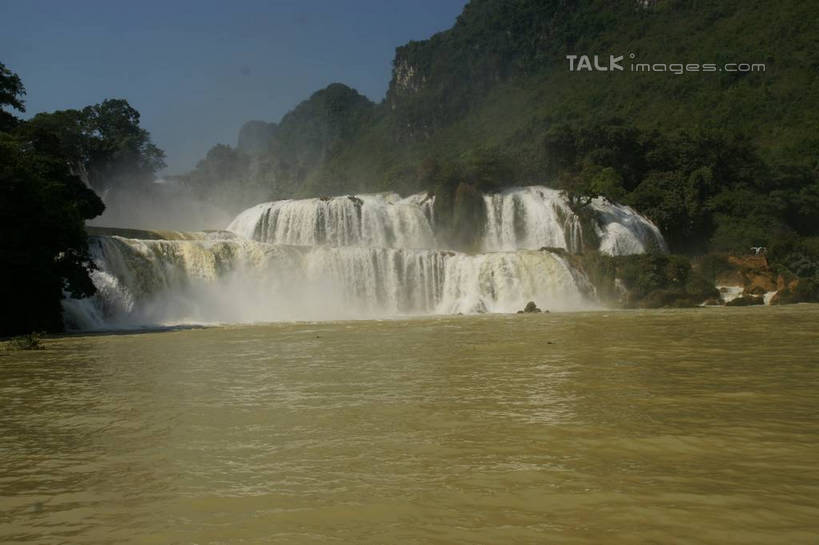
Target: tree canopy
103,143
50,167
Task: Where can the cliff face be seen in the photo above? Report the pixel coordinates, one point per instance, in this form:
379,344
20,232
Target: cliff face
275,160
499,78
437,81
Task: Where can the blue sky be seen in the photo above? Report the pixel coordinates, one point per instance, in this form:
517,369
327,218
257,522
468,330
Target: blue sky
197,70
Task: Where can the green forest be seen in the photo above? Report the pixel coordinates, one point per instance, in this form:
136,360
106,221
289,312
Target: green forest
52,168
721,161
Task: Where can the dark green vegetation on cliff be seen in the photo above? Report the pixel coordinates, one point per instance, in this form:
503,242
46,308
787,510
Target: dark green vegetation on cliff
720,161
46,166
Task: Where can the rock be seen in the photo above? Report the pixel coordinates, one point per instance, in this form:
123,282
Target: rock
749,261
745,300
712,302
531,307
356,201
799,290
755,290
752,273
760,283
324,198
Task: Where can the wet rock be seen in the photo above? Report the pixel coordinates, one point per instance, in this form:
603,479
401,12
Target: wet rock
356,201
756,290
744,301
530,307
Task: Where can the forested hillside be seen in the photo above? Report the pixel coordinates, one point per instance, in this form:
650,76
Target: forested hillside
719,160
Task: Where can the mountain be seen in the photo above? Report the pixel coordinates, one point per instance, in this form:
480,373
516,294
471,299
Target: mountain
719,159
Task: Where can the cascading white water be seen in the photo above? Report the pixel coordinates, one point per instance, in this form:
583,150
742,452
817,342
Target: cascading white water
150,282
622,231
537,216
506,281
382,220
518,218
530,217
351,257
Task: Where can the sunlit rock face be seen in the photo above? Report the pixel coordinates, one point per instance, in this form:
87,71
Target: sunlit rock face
353,256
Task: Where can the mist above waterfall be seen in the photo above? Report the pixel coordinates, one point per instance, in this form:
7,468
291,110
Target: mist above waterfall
353,256
170,205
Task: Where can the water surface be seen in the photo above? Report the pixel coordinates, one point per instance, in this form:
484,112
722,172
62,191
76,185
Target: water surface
695,426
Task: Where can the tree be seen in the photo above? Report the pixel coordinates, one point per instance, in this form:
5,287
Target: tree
43,208
103,144
11,93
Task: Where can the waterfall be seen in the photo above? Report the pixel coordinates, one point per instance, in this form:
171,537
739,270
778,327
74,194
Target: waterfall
168,282
622,231
536,217
347,257
506,281
530,217
381,220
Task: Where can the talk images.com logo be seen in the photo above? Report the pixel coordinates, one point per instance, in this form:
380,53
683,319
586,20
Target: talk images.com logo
612,63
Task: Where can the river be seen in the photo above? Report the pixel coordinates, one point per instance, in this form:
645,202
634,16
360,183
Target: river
664,426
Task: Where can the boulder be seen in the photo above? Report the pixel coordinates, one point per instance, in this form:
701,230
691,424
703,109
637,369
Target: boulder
531,307
758,283
799,290
745,300
755,290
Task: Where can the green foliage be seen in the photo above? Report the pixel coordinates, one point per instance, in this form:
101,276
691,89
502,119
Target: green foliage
458,186
720,161
648,280
712,265
103,143
805,291
44,200
282,160
43,208
11,93
30,341
704,190
222,171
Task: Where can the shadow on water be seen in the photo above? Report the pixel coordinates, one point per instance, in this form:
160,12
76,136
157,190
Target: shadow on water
131,331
